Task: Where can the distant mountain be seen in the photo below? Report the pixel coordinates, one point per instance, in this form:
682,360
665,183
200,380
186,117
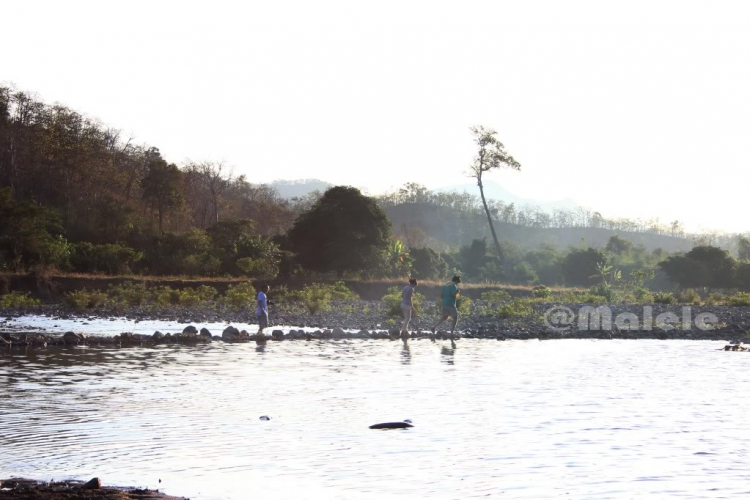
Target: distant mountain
299,188
495,191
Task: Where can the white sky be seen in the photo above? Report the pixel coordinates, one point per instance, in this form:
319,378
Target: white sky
631,108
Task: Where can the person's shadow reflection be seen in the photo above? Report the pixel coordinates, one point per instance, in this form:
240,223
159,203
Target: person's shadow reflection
447,353
406,354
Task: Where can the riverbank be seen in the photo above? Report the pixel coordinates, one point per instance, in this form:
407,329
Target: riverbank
30,489
372,320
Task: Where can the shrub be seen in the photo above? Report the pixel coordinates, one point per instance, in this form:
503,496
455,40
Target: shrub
111,259
17,300
240,296
739,299
316,297
129,293
716,299
541,292
463,304
689,296
606,291
664,298
496,296
339,291
84,299
643,295
519,308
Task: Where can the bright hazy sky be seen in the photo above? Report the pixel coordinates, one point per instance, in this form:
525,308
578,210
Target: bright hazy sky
631,108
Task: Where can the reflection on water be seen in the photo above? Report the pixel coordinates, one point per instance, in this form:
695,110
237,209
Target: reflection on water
572,419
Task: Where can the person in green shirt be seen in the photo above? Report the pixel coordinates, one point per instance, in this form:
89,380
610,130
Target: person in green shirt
449,295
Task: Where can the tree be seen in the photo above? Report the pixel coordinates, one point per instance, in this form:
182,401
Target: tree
428,264
344,231
474,257
30,234
618,245
581,267
161,186
743,249
703,266
491,156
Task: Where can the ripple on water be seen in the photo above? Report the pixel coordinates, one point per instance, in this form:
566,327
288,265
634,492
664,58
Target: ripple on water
574,418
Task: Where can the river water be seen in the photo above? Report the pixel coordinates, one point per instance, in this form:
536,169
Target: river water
519,419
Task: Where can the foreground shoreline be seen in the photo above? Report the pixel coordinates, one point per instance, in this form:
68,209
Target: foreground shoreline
32,489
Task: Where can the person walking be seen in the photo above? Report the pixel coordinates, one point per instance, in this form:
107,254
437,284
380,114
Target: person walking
449,295
261,310
407,306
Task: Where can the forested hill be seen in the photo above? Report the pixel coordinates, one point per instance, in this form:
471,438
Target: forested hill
77,180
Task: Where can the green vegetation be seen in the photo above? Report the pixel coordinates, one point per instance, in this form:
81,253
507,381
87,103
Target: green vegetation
665,298
75,197
739,299
17,300
518,308
496,296
344,231
318,296
85,299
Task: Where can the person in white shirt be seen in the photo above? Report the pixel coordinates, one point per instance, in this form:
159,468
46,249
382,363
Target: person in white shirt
407,305
262,309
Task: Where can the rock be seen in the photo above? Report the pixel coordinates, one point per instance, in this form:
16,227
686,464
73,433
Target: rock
338,332
363,334
4,343
73,338
157,335
277,335
265,417
205,333
94,484
190,330
230,333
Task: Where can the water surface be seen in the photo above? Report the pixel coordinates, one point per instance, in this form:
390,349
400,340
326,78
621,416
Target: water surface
519,419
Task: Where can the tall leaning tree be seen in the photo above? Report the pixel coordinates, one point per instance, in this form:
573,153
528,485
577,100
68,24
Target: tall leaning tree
490,156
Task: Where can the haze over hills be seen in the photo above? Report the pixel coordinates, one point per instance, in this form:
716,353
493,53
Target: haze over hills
298,188
436,224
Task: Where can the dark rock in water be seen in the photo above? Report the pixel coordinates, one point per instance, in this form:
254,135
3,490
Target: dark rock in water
73,338
277,335
205,333
338,332
230,333
190,330
309,337
94,484
157,335
265,417
5,343
393,425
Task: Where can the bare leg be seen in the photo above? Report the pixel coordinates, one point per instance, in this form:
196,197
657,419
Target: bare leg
407,310
438,323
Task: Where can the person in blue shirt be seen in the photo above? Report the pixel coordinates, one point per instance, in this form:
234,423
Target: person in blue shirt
261,310
449,295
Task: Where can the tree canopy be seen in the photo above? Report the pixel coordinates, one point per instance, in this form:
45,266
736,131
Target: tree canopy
344,231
